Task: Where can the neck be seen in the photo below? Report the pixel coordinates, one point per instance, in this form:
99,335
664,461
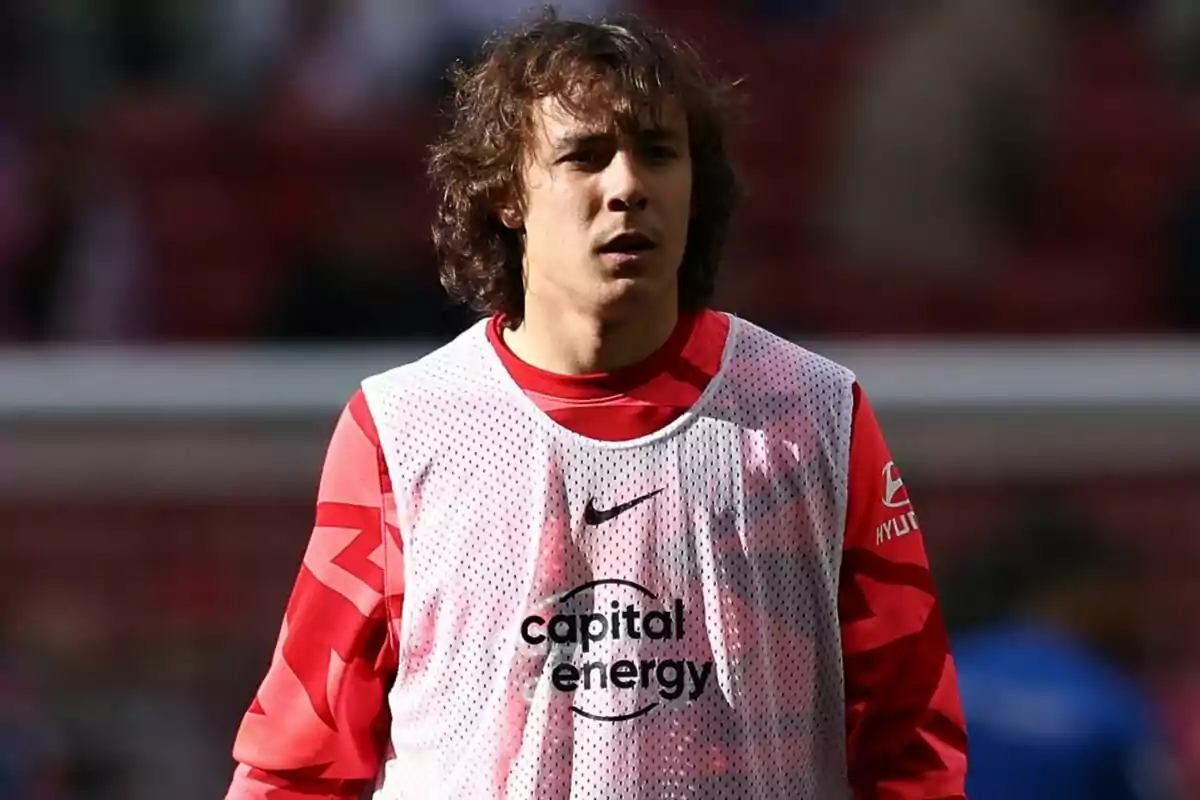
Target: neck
570,342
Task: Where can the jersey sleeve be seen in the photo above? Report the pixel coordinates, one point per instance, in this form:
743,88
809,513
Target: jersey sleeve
318,727
906,737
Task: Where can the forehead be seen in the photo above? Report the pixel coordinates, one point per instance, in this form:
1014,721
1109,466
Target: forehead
554,122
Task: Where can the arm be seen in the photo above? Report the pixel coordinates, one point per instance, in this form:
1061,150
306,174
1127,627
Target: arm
906,738
318,727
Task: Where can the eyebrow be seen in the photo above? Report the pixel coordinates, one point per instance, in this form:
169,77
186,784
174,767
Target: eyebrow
646,135
573,141
660,135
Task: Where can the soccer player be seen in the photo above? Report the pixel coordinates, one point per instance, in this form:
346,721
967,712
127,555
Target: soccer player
1047,677
608,542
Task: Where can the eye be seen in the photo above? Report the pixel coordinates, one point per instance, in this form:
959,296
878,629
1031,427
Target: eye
660,153
586,158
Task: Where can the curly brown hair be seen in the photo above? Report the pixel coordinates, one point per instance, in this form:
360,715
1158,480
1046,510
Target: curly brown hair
618,72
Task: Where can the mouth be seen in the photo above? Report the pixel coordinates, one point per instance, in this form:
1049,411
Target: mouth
629,243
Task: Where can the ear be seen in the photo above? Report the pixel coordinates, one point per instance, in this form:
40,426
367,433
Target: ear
511,218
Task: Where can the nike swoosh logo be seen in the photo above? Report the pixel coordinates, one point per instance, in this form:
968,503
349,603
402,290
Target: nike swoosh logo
596,516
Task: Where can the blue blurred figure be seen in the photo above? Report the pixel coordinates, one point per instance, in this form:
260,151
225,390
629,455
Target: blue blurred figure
1052,713
30,767
1048,719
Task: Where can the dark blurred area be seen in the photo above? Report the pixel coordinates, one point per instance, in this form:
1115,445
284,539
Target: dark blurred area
250,173
183,172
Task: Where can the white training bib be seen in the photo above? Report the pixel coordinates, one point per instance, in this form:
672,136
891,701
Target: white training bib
591,620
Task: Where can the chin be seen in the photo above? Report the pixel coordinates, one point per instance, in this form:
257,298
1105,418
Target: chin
622,297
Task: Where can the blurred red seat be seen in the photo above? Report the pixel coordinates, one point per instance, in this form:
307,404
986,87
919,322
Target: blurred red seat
1121,140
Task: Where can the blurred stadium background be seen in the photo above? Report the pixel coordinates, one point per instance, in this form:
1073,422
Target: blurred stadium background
213,223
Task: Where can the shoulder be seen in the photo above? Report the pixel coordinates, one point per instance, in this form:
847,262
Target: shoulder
1045,654
441,396
776,364
456,365
1016,656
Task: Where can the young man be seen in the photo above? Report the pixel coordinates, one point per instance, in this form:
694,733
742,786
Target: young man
608,543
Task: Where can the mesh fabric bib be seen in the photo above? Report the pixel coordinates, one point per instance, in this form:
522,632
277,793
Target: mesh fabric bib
590,620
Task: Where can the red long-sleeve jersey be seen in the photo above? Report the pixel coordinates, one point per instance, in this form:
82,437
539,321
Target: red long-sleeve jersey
318,727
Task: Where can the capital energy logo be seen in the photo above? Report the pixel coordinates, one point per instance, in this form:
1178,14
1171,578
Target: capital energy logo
580,633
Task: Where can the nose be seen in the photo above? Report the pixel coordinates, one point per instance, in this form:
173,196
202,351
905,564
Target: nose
624,188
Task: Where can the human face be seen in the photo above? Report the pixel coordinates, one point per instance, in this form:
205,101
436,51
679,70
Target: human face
605,214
